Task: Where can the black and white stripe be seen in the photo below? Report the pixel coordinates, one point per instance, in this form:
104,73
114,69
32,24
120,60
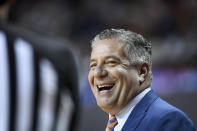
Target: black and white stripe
36,92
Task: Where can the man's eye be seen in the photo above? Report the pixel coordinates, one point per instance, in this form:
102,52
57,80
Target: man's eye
92,65
111,62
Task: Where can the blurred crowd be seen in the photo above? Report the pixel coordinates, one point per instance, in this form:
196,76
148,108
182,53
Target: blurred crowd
169,24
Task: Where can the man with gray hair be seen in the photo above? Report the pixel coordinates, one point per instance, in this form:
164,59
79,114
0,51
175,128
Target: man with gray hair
120,77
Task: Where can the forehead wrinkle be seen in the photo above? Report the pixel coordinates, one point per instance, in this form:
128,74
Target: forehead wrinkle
108,48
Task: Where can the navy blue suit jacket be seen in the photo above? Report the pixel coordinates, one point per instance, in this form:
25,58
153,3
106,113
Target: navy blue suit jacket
154,114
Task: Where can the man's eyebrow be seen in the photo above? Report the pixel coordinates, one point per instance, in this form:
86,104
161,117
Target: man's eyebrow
91,60
113,57
107,57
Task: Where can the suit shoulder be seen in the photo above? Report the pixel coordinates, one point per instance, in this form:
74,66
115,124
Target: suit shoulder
167,117
160,106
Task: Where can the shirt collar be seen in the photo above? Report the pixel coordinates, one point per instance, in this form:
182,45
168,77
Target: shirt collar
123,115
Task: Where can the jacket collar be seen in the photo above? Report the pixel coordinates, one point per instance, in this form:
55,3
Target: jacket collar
139,111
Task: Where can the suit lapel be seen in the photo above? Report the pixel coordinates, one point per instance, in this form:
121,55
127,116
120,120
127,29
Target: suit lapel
139,111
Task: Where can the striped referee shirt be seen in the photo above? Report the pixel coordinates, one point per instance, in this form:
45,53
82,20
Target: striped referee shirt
38,83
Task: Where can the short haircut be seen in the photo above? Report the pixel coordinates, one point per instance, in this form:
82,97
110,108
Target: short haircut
137,48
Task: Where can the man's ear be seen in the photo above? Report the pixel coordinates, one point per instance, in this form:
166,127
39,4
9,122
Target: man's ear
143,71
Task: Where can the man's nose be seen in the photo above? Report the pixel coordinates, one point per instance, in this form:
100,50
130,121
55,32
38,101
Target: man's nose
99,72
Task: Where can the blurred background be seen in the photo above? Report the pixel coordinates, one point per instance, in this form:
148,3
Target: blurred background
170,25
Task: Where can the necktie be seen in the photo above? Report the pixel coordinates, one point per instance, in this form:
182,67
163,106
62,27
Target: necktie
112,122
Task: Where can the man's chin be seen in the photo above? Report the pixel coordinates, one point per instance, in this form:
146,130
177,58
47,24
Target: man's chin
108,108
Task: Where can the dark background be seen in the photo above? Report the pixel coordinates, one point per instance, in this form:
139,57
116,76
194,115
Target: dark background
170,25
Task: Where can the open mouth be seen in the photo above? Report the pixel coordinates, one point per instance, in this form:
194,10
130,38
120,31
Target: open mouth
105,87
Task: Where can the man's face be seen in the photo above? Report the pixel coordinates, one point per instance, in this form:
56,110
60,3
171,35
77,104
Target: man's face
113,80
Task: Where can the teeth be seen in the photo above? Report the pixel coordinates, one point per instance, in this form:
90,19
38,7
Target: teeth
105,86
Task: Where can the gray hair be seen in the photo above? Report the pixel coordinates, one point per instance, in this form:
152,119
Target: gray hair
137,48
